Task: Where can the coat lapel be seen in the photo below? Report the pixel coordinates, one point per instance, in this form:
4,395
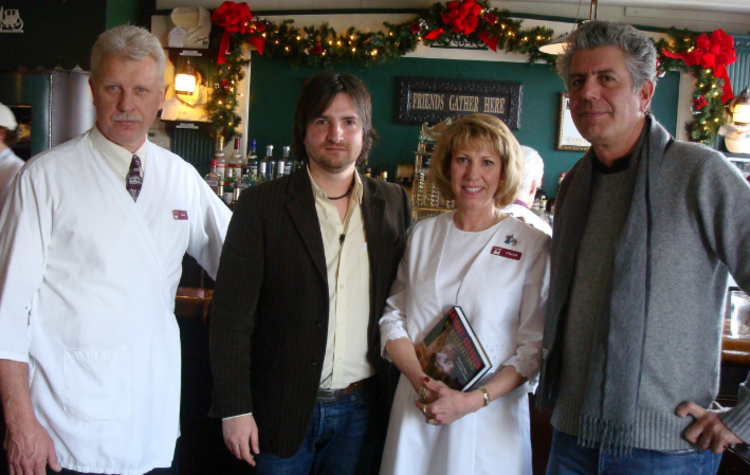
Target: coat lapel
301,209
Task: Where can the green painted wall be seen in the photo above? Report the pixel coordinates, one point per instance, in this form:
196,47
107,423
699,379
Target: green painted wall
275,87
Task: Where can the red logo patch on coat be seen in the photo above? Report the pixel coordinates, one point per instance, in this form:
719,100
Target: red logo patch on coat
180,214
499,251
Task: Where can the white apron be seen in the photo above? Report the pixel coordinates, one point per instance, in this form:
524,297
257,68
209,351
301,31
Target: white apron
504,299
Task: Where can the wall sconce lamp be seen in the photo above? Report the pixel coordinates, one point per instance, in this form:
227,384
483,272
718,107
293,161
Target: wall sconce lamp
185,82
736,134
740,108
558,46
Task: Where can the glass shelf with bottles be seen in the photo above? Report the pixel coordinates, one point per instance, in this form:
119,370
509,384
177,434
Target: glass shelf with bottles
426,199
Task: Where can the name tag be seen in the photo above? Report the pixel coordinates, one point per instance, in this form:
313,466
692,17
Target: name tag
180,214
499,251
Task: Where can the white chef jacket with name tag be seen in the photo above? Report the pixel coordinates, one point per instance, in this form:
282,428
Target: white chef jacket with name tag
87,286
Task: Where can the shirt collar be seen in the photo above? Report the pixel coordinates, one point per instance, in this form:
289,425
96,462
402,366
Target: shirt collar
318,191
117,157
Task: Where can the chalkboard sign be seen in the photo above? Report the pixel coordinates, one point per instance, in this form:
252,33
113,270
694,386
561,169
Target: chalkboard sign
432,100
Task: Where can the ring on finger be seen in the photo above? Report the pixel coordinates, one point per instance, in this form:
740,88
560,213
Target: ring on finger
424,409
704,442
432,422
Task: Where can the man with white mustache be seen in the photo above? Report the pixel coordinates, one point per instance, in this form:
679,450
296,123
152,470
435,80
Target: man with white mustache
646,230
92,239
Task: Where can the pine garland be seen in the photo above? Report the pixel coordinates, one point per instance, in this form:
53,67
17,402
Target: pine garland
466,24
708,111
322,46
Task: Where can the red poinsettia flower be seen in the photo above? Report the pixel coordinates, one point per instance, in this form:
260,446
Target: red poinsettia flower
491,19
462,17
716,52
316,49
233,17
225,84
699,103
416,27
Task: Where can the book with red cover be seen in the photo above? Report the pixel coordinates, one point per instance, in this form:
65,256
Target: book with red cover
452,353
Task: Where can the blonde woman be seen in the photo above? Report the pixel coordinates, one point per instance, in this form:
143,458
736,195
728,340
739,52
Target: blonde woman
496,268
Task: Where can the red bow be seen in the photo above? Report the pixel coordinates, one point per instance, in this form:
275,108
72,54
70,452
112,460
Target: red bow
462,17
717,52
236,18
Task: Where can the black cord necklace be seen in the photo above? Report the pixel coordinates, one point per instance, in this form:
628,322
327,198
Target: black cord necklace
344,195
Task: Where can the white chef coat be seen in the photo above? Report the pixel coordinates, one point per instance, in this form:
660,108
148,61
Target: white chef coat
87,291
9,166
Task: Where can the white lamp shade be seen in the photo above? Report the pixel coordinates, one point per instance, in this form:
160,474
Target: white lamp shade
741,114
556,47
184,84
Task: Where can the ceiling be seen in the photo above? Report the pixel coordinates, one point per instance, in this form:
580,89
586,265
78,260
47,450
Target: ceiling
719,6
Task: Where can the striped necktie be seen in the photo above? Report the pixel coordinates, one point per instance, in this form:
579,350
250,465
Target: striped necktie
134,180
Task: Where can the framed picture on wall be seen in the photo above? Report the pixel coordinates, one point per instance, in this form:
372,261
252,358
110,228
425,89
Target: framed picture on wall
568,137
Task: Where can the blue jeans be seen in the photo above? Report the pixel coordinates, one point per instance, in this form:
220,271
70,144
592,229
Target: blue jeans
569,458
340,440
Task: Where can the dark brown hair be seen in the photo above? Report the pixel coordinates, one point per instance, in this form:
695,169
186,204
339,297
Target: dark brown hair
317,95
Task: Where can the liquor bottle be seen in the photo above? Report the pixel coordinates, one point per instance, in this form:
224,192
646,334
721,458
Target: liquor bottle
234,164
250,168
229,186
540,202
221,162
284,165
270,165
212,178
235,196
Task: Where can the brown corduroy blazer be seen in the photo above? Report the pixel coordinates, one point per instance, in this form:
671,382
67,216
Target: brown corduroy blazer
269,322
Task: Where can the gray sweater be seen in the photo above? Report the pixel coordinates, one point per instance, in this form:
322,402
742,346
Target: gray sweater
700,230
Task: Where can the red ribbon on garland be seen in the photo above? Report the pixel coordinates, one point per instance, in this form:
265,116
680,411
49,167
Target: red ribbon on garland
716,52
490,41
236,18
434,34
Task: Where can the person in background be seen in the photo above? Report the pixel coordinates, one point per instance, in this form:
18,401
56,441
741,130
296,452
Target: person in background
496,269
533,172
92,238
9,162
646,230
305,272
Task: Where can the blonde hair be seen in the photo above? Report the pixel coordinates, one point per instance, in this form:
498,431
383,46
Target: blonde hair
472,131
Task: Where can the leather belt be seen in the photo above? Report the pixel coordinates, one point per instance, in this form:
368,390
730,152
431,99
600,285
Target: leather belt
329,395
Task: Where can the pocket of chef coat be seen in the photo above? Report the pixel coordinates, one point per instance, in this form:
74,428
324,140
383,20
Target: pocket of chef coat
97,385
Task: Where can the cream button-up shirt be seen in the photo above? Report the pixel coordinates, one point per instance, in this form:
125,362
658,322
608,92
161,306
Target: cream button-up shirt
348,289
116,157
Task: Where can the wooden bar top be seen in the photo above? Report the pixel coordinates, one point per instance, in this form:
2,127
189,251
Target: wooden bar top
735,350
193,303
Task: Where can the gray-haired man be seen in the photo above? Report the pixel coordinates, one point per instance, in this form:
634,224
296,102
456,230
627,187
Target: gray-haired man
646,230
92,238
